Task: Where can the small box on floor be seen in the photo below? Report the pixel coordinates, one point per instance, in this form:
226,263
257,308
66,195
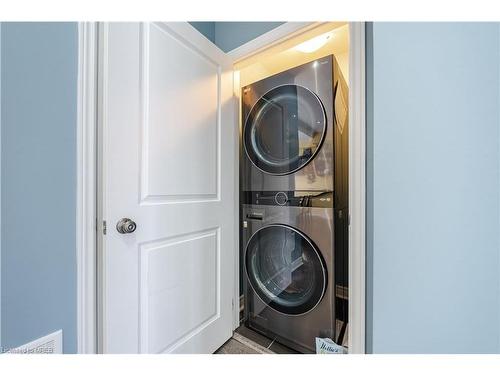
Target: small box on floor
328,346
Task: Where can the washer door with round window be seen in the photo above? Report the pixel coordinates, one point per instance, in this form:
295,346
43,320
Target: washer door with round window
284,129
285,269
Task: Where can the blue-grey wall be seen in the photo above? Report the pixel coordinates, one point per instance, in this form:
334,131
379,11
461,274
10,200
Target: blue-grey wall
206,28
38,174
433,188
230,35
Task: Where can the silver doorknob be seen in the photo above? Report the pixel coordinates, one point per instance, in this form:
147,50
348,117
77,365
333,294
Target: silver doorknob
125,226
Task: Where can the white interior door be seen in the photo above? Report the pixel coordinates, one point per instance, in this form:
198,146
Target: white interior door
169,150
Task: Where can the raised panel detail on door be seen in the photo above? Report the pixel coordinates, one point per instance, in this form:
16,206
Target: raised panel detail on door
180,117
174,299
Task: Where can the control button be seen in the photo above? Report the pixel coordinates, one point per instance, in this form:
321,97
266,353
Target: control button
281,198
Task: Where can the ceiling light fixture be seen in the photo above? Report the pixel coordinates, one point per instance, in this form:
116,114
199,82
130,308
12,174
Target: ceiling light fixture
313,44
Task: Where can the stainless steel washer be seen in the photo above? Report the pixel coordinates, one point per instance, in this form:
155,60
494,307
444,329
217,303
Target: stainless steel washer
289,267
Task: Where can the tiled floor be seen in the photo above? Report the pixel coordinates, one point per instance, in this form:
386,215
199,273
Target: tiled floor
233,346
246,341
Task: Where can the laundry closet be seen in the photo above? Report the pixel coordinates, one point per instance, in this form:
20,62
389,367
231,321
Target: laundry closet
223,194
294,137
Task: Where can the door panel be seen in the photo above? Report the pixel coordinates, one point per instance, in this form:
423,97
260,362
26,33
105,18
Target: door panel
169,144
181,118
178,276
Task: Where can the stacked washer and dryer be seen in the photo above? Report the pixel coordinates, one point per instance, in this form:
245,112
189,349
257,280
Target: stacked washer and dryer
294,204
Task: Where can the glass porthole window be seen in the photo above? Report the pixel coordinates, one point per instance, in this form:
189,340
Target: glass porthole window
285,269
284,129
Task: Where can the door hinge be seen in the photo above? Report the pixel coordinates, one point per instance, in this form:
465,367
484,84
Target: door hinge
232,304
104,227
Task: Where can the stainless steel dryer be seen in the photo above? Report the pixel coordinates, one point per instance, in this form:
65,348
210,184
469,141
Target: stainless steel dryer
287,129
289,267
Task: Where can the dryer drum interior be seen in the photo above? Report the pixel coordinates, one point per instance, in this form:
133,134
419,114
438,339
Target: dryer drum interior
285,269
284,129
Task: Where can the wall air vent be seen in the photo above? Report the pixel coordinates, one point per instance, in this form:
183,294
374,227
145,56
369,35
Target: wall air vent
50,344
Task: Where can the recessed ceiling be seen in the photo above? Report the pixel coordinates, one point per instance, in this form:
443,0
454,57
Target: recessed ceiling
285,55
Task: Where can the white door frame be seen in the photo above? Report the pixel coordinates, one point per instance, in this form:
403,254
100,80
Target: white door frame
357,188
87,168
86,188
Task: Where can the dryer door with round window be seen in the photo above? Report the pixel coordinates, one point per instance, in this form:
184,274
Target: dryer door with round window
284,129
285,269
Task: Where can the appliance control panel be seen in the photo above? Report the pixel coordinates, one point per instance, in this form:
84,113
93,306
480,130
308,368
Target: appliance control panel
320,199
